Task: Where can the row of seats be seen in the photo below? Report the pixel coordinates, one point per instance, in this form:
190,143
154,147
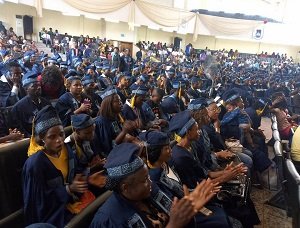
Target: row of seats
12,159
287,175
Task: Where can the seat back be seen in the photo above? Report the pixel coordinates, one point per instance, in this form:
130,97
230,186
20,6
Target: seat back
292,191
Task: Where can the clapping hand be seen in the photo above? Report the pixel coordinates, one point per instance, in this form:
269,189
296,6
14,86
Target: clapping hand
202,193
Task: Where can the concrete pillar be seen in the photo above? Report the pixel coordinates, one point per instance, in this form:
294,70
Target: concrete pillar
81,25
103,28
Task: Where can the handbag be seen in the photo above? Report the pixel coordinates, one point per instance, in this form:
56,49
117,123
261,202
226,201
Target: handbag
234,145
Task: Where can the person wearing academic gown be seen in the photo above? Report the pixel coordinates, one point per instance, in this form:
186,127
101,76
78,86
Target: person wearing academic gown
159,152
11,90
25,109
192,170
174,104
89,91
111,126
123,87
48,175
193,92
73,102
134,110
132,204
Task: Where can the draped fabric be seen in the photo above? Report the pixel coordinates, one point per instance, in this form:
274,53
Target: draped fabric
228,26
98,6
141,12
165,16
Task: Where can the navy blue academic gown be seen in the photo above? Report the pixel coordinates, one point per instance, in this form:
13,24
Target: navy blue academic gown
65,107
172,104
173,189
24,111
117,212
44,193
187,167
105,133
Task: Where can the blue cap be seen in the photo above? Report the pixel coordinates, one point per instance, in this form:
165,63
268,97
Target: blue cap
195,79
122,162
139,89
154,138
45,119
144,78
44,57
109,91
52,60
77,63
197,104
81,121
230,95
87,79
29,77
63,65
181,123
178,83
92,67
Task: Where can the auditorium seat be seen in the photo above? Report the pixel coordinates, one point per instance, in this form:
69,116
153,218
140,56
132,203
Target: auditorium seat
292,191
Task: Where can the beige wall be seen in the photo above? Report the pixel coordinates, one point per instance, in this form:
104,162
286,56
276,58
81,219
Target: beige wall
119,31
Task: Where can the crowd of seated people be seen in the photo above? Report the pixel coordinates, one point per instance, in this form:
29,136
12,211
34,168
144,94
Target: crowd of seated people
166,136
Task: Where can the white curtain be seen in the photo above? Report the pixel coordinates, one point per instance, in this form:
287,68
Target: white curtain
97,6
163,15
228,26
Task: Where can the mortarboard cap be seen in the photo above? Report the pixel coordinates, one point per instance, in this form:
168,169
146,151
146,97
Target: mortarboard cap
29,77
45,119
181,122
109,91
154,138
81,121
122,162
197,104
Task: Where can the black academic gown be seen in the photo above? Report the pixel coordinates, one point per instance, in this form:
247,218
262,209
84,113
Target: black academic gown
44,192
105,133
65,107
24,111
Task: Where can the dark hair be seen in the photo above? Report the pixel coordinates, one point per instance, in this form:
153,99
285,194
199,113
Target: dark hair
106,109
13,64
159,91
52,76
154,153
198,115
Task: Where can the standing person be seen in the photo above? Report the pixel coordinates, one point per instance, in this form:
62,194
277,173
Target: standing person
126,62
48,175
115,58
139,55
25,109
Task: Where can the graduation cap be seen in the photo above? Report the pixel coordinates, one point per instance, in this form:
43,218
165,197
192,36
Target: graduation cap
45,119
144,78
63,65
195,80
44,57
230,96
139,89
29,77
71,72
77,63
81,121
90,67
4,53
52,60
87,79
181,122
109,91
154,138
197,104
122,162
